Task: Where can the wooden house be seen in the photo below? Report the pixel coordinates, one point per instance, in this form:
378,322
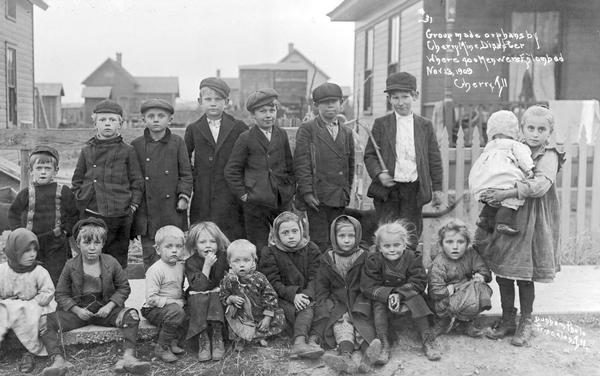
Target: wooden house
111,80
48,104
534,51
315,75
16,65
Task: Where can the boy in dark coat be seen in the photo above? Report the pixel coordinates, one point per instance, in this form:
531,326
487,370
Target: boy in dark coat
394,279
168,176
412,166
290,263
107,181
260,169
324,163
209,142
47,209
342,311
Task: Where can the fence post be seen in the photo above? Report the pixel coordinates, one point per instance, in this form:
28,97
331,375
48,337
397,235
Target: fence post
473,205
581,186
24,164
459,183
596,187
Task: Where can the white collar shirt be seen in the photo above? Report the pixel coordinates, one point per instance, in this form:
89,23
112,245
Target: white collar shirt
267,132
406,158
214,126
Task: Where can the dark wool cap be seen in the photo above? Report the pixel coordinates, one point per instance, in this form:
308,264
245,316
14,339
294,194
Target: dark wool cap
88,221
108,106
326,91
45,149
260,98
156,103
217,85
400,81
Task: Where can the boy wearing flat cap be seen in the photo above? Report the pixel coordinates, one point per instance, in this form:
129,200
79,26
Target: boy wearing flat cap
47,209
107,181
411,165
324,163
260,169
209,142
167,173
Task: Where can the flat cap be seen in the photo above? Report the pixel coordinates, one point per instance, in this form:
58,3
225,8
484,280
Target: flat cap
108,106
156,103
88,221
400,81
45,149
217,85
326,91
260,98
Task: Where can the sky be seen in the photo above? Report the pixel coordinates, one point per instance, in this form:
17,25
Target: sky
190,39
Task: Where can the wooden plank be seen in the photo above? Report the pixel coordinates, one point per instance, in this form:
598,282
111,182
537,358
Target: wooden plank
596,188
444,149
460,171
474,206
581,182
565,199
24,163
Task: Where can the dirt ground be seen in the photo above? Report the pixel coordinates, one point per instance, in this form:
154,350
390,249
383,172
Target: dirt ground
549,354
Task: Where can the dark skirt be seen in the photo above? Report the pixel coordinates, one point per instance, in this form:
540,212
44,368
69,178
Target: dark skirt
203,307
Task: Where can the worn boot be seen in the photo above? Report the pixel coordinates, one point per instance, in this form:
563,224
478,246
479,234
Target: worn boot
443,325
505,326
59,366
164,353
315,350
524,331
341,363
175,349
204,347
217,343
472,330
384,355
129,363
431,347
373,351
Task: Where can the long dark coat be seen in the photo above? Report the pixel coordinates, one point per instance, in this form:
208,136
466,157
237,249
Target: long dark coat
428,157
261,168
336,296
213,200
324,166
167,175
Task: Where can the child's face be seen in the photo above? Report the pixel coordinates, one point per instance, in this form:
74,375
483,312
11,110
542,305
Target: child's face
242,262
107,125
206,244
391,246
346,238
28,257
212,104
43,172
90,248
536,130
289,233
157,120
329,109
402,102
170,249
265,116
454,245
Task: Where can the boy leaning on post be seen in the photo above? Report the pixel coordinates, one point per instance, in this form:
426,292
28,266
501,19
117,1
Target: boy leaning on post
107,181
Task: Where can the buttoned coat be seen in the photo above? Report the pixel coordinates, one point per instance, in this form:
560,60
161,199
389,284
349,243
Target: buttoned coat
428,158
261,168
324,166
167,175
213,200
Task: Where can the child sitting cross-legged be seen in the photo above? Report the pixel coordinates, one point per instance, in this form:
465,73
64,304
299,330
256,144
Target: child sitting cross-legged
164,292
394,278
91,290
26,295
204,270
290,263
458,281
251,305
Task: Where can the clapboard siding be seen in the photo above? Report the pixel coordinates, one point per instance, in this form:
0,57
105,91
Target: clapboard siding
411,46
380,64
19,35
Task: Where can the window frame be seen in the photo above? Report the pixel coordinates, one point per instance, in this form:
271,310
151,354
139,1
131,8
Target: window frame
11,86
10,5
367,105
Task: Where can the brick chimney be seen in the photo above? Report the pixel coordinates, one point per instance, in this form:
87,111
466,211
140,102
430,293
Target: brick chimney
290,48
119,58
218,73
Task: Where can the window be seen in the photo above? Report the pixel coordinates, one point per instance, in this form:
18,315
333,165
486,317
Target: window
393,48
11,85
368,77
11,9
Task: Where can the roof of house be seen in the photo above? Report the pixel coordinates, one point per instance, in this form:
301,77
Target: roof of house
50,89
274,66
96,92
42,5
354,10
110,63
157,85
295,51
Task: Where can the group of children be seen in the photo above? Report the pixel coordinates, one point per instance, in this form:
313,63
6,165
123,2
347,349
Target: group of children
330,292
